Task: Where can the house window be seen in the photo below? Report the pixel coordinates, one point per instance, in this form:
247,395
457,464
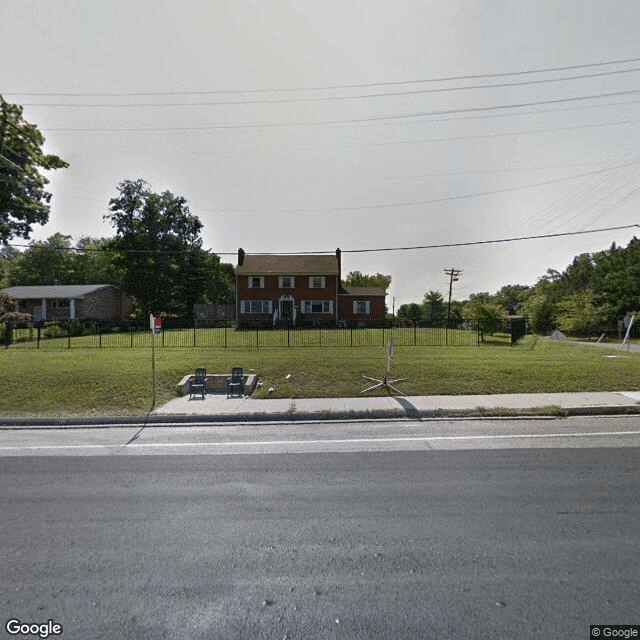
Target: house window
361,307
287,282
317,306
316,282
60,303
256,306
256,282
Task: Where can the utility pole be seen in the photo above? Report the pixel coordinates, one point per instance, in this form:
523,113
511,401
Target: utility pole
454,276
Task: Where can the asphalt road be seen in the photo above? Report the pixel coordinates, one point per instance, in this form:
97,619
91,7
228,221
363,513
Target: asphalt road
507,543
318,437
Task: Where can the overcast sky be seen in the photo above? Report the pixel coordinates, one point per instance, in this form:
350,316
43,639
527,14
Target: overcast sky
292,125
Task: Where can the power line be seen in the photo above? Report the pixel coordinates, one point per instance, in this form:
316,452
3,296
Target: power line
389,205
335,86
516,105
325,98
481,242
376,250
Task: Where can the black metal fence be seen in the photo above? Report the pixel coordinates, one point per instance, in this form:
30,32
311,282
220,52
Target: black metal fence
220,335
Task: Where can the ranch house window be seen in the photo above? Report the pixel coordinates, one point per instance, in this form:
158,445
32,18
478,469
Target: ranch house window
256,306
361,307
256,282
60,303
316,282
317,306
287,282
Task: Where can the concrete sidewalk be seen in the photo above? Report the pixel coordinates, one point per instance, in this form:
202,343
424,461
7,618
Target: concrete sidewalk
221,408
218,408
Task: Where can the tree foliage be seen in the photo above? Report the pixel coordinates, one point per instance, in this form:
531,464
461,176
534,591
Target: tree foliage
410,312
24,200
358,279
8,312
577,314
159,252
433,305
483,316
44,262
57,261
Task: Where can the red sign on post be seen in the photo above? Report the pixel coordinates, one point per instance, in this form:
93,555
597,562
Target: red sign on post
156,324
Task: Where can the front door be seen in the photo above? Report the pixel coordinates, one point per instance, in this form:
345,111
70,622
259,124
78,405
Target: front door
286,310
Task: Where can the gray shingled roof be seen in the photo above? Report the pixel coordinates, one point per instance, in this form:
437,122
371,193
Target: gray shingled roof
76,291
288,265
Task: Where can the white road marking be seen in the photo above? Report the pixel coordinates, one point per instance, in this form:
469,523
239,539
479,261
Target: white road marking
371,440
326,441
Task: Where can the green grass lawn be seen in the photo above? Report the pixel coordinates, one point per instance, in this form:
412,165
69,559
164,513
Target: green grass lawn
119,381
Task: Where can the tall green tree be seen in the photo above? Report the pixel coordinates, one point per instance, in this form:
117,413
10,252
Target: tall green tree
540,307
434,307
410,312
94,262
43,262
511,297
616,279
24,200
7,256
577,315
484,317
159,250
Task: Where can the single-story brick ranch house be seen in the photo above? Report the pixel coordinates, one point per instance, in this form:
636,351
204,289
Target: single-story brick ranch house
293,290
72,302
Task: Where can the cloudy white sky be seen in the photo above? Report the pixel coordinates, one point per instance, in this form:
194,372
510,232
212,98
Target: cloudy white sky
304,126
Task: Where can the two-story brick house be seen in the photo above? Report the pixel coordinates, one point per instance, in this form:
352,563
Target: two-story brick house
294,290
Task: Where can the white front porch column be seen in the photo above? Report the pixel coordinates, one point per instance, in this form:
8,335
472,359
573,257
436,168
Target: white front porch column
72,309
44,309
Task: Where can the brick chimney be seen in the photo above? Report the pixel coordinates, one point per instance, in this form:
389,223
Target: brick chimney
240,257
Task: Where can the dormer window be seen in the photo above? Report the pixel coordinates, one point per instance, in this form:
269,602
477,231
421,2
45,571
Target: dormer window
316,282
256,282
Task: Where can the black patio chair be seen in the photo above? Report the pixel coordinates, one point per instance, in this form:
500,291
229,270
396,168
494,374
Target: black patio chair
198,384
235,382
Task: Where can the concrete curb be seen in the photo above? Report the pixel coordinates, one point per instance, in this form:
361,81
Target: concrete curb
79,422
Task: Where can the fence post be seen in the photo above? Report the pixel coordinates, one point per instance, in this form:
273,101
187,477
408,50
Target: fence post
288,336
225,334
194,332
257,338
415,333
